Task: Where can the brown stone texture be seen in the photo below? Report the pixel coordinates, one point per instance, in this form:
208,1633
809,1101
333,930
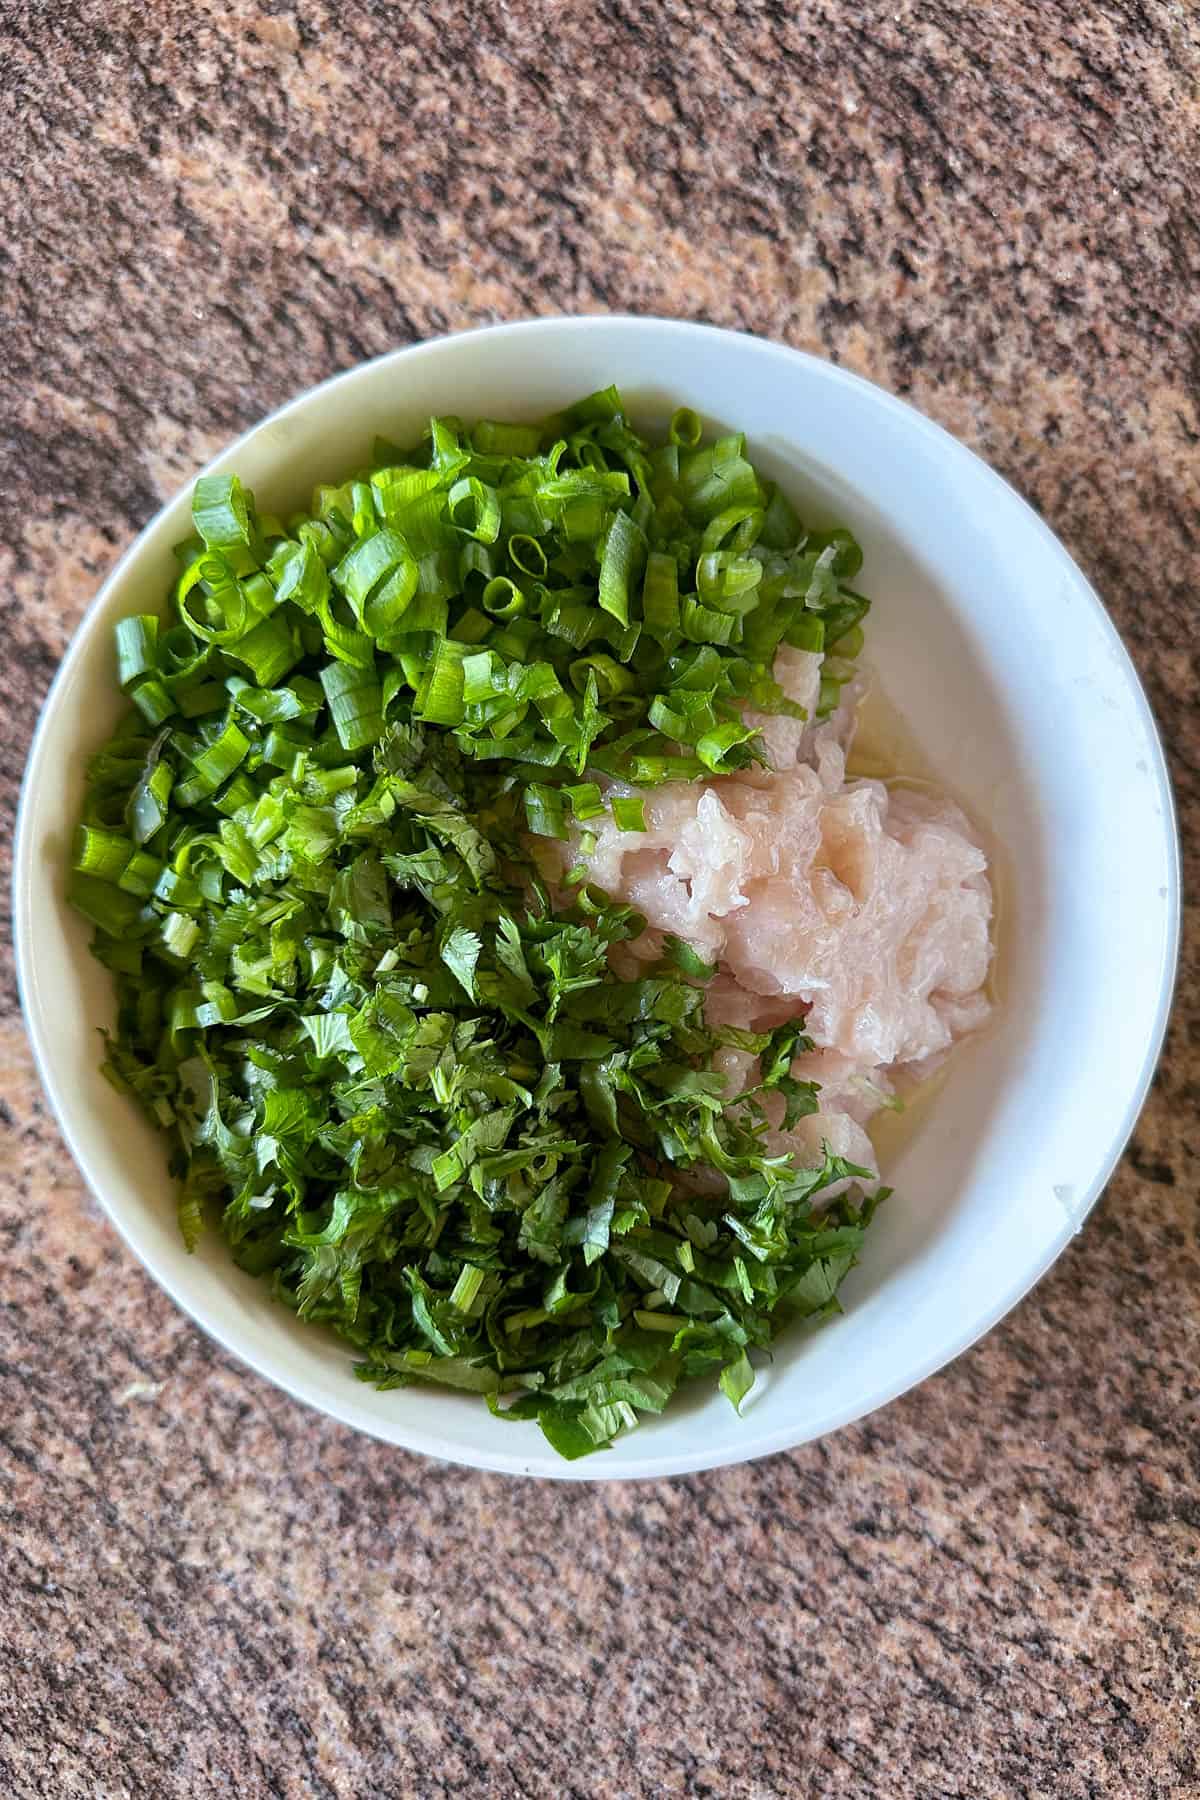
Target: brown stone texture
991,207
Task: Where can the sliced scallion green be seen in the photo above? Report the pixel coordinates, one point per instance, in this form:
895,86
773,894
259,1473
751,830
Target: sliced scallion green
386,1043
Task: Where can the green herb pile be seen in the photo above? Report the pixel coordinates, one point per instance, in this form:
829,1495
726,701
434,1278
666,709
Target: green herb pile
398,1069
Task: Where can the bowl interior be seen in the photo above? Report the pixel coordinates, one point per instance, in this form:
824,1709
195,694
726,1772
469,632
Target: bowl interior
1012,685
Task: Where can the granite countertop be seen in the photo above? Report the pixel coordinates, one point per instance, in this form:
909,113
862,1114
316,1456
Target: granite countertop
988,1589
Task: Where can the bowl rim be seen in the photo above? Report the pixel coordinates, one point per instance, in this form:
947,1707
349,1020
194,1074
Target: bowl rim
750,1447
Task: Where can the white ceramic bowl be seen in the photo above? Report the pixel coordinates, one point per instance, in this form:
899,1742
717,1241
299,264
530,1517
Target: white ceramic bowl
1014,684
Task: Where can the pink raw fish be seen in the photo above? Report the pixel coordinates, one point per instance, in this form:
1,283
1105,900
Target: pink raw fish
864,909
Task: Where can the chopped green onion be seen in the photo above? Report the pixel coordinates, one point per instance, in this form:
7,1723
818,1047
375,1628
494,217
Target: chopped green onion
153,700
685,957
850,643
781,523
102,854
379,577
544,811
355,704
706,624
594,409
180,934
148,801
377,1021
686,428
492,437
725,579
109,908
629,813
140,875
715,747
221,515
137,648
527,555
611,677
624,548
475,509
503,598
806,632
660,597
586,800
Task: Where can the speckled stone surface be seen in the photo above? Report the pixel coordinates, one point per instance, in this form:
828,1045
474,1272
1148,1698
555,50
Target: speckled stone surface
988,1590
